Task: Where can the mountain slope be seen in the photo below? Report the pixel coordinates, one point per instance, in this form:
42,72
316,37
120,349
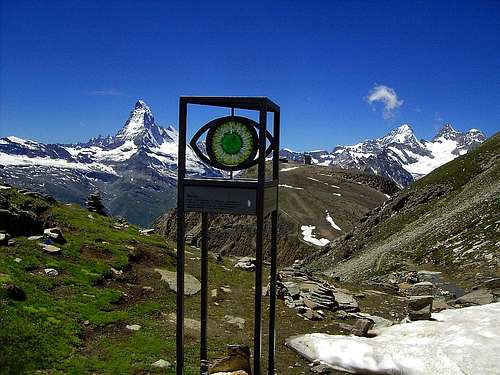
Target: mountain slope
448,218
399,155
135,170
317,205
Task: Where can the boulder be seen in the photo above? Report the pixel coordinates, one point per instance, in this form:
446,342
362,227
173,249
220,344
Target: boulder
51,272
161,363
133,327
346,301
237,359
424,288
420,307
312,315
476,297
191,283
51,249
362,326
55,234
246,263
234,320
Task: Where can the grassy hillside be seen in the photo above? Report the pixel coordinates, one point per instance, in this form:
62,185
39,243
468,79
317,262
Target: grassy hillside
448,218
75,322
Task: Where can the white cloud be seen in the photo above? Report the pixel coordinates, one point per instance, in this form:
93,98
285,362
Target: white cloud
387,96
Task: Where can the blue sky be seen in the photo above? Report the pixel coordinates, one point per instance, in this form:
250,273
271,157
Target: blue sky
72,69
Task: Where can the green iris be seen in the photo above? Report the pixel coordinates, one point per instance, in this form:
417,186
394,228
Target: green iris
232,143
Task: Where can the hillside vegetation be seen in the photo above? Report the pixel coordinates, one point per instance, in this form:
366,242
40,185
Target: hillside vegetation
448,219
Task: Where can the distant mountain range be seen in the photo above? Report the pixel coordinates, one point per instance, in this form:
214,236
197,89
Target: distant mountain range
399,155
136,169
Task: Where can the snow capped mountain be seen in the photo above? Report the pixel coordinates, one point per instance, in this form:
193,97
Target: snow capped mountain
135,166
398,155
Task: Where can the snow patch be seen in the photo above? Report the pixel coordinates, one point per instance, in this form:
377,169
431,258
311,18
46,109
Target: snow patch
307,234
288,169
330,220
458,342
290,187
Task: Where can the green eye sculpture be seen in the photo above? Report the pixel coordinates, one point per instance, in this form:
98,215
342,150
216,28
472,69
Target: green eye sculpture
231,143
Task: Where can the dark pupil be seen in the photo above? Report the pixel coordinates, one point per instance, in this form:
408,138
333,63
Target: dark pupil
231,143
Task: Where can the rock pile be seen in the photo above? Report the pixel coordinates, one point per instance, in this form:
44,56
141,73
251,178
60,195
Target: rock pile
94,204
310,296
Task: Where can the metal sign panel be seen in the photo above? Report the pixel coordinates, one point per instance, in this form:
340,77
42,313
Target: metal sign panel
270,199
222,200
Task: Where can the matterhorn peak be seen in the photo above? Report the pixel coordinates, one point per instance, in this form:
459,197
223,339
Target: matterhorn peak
141,104
140,120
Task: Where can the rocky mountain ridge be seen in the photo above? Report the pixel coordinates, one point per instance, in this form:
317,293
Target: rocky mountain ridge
398,155
136,168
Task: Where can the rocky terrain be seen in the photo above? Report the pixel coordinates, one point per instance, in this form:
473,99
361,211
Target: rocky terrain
86,293
398,155
317,205
448,219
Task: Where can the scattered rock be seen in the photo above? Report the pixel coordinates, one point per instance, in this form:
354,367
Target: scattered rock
86,322
237,359
55,235
321,369
51,272
11,242
148,289
311,315
147,232
35,238
191,283
226,289
218,257
239,322
345,301
420,307
476,297
246,263
424,288
361,327
134,327
214,293
18,260
50,248
161,363
191,324
116,272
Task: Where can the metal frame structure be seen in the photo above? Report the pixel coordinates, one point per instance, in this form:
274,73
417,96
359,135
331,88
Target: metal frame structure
262,192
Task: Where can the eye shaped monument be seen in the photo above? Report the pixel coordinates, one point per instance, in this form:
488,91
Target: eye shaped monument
232,143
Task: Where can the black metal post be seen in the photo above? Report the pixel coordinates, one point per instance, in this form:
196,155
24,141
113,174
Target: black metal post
274,251
204,294
181,174
259,241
